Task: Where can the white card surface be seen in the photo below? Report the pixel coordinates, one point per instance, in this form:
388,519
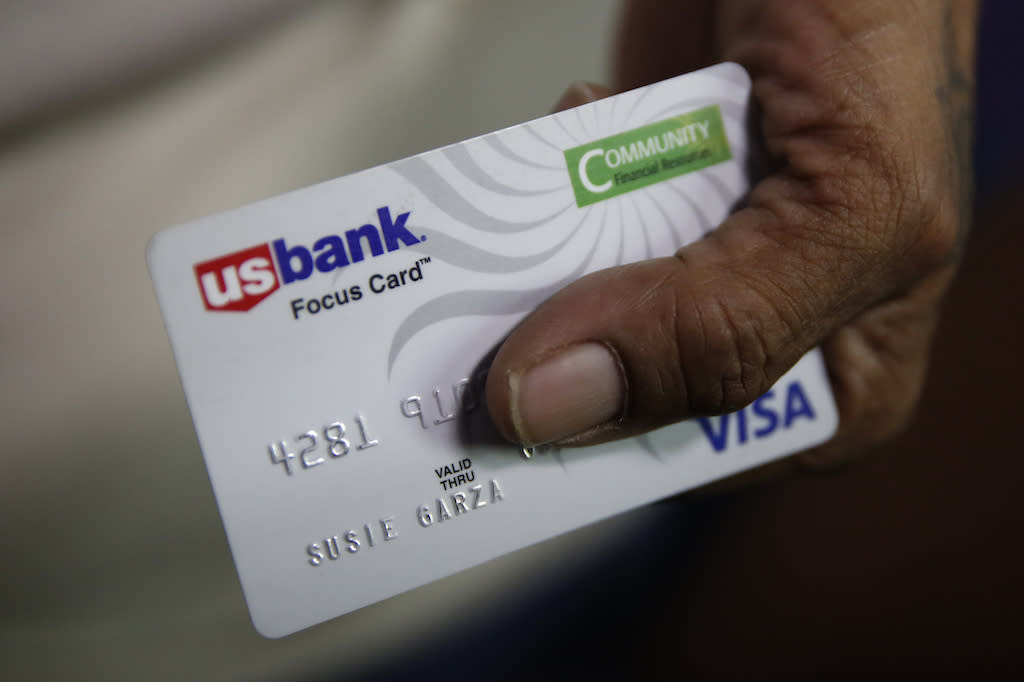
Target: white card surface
332,344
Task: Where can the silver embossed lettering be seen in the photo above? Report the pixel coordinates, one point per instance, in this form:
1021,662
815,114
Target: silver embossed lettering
413,407
316,556
367,441
440,409
477,502
369,535
303,455
332,548
496,491
464,394
443,513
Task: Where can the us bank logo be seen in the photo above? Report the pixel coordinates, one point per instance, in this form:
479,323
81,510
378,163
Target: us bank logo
647,155
236,282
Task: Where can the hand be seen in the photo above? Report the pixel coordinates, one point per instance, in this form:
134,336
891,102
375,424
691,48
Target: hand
849,243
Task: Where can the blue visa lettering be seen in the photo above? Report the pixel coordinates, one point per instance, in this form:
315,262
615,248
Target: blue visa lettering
760,419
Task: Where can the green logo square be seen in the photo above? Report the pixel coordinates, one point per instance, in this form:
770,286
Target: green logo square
647,155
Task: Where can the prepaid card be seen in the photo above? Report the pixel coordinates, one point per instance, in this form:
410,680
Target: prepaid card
333,344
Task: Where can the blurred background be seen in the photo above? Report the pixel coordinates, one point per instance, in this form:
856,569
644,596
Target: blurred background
120,118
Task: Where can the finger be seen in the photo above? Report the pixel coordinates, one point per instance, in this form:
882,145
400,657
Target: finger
653,44
878,364
580,92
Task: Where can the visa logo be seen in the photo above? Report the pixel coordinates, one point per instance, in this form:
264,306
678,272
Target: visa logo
760,419
238,281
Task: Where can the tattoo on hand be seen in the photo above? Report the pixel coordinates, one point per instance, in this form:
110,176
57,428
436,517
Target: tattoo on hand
956,96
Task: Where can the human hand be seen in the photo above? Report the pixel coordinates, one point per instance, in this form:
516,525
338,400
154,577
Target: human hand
849,242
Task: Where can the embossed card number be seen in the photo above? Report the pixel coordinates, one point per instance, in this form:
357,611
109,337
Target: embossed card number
335,444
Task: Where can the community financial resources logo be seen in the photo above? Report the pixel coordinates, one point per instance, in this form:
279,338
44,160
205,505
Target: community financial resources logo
647,155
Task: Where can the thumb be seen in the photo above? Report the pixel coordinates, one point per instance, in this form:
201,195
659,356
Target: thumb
632,348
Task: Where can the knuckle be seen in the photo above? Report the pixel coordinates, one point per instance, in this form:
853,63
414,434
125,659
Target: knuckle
888,410
919,215
898,221
918,212
878,377
936,235
724,351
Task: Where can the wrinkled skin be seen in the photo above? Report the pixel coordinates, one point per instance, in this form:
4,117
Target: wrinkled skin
849,241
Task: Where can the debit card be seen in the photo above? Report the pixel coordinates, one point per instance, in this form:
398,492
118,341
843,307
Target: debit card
333,343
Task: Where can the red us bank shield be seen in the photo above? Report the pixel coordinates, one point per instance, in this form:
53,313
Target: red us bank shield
237,281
